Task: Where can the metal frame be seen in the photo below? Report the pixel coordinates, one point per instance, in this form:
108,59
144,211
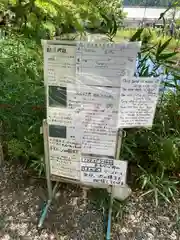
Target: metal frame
50,178
57,179
118,151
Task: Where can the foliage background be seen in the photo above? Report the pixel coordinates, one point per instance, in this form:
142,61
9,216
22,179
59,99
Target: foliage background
156,151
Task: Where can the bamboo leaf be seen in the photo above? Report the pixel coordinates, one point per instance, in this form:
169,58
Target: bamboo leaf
162,47
166,56
137,35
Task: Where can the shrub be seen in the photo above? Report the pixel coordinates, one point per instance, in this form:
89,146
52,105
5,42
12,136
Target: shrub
22,97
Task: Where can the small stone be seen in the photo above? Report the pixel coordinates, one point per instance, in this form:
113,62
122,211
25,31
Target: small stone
6,237
58,194
153,229
121,193
150,236
163,218
132,217
173,236
10,218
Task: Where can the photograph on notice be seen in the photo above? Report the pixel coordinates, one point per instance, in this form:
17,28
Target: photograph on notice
57,96
57,131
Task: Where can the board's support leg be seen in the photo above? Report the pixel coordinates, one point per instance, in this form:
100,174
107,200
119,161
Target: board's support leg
45,209
118,150
85,193
48,175
44,213
108,234
46,156
1,145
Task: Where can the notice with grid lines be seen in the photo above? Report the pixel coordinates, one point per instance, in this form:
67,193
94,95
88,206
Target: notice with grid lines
104,64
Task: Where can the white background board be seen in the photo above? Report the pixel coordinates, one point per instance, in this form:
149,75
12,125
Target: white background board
88,113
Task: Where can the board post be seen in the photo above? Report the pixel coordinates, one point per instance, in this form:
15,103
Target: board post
46,158
91,157
118,150
47,172
1,145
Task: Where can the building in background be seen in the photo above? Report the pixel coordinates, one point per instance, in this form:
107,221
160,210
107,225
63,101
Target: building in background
137,15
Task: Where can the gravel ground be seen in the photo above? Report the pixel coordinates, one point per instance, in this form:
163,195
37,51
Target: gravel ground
22,198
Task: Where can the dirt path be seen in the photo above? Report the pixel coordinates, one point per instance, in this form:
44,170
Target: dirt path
21,200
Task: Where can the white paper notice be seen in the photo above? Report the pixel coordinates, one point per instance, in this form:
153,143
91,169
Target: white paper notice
64,117
99,117
138,99
103,64
65,165
59,64
103,170
64,152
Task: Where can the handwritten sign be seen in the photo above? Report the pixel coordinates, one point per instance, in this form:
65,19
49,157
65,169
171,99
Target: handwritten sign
103,170
103,64
138,99
59,64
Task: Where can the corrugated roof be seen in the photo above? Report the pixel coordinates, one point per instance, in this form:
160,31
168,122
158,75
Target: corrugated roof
152,13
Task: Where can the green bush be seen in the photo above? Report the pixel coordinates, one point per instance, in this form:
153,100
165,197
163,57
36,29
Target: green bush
22,101
22,97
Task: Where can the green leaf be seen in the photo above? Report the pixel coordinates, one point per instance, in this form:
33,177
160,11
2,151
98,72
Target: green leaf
137,35
163,195
162,47
147,49
108,22
115,27
144,183
163,13
156,197
146,193
165,56
169,85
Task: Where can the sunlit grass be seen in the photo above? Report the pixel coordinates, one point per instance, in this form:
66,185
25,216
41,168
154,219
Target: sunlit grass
156,36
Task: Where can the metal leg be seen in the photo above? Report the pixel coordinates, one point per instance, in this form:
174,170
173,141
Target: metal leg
118,150
1,145
47,163
48,204
48,175
108,234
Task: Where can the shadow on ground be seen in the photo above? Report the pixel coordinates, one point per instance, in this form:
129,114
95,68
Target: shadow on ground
22,199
